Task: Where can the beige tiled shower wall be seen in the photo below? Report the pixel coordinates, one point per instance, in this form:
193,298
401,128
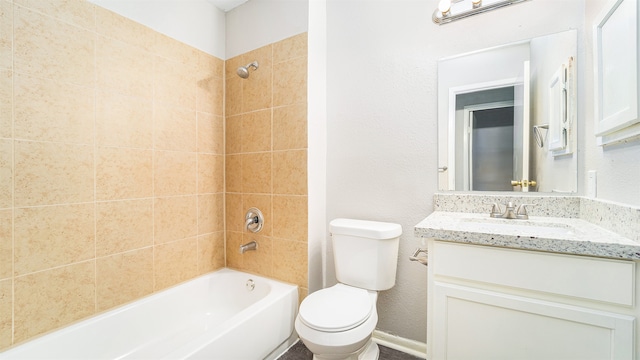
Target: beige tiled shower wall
266,160
111,163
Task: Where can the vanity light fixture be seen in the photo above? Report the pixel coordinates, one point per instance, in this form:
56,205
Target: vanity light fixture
451,10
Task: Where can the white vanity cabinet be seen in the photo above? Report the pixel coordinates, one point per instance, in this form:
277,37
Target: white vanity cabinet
495,303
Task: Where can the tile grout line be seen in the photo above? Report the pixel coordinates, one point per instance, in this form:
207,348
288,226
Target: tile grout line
13,179
95,165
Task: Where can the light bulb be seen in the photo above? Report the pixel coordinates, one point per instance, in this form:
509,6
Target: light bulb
444,6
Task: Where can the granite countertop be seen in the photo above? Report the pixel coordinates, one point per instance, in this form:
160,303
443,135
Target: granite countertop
551,234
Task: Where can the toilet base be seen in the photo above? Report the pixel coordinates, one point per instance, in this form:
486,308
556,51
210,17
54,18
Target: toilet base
369,351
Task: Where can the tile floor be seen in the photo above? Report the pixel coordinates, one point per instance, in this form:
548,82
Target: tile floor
299,352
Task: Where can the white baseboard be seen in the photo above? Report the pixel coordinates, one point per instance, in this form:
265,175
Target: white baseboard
412,347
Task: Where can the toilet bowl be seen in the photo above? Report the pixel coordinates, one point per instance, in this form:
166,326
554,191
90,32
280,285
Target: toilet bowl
337,322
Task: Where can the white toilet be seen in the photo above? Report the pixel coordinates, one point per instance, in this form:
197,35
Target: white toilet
337,322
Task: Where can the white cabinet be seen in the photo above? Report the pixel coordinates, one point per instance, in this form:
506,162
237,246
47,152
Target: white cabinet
497,303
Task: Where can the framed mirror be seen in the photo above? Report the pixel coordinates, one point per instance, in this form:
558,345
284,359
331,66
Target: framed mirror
507,117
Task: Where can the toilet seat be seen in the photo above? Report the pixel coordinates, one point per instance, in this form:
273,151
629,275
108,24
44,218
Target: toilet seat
335,309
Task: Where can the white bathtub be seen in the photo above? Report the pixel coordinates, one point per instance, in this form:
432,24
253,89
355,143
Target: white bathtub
215,316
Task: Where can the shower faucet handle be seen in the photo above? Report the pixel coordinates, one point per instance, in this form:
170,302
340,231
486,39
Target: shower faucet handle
253,220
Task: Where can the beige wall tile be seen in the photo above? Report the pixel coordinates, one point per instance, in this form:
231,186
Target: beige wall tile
303,292
264,204
6,173
6,101
50,299
256,173
123,226
210,66
233,173
290,217
174,173
36,36
49,110
123,277
290,261
124,68
290,172
210,95
52,173
233,93
290,127
253,171
290,82
256,131
123,173
290,48
175,50
233,134
6,313
6,34
234,258
211,252
210,133
6,244
175,262
123,120
210,80
120,28
210,173
258,261
257,89
174,128
175,218
234,212
210,213
174,83
50,236
76,12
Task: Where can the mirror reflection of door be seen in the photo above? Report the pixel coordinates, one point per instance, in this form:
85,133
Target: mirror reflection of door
489,154
473,170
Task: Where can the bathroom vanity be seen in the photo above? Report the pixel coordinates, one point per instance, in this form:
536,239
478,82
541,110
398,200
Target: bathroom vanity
551,287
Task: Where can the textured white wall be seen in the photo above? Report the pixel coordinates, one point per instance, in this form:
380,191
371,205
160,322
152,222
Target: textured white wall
382,114
257,23
195,22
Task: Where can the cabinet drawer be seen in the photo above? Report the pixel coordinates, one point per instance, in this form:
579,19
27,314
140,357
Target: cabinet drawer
598,279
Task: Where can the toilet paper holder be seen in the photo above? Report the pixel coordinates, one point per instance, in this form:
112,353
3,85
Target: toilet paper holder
422,259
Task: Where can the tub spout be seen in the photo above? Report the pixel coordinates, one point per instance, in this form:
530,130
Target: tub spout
248,246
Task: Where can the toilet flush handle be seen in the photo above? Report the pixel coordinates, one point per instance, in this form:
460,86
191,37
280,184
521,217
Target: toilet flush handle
421,259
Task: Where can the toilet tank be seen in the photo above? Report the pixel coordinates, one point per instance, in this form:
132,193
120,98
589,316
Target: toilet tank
365,252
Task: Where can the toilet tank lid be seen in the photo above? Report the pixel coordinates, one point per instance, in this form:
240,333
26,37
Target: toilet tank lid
365,228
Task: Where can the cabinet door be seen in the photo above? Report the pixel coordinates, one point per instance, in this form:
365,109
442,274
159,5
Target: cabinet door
477,324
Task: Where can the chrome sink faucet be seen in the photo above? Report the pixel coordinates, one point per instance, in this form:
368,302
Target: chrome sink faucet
511,211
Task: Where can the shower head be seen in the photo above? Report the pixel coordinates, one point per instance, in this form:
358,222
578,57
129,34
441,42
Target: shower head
243,71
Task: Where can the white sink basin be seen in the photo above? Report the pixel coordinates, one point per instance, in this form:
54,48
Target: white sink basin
535,227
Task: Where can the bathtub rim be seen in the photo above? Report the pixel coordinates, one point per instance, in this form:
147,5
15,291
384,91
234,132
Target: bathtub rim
78,324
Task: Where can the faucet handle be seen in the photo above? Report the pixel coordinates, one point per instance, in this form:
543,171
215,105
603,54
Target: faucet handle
521,212
495,210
